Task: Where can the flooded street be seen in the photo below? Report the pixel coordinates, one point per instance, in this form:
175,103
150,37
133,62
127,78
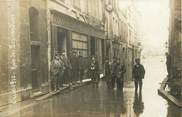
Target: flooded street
93,101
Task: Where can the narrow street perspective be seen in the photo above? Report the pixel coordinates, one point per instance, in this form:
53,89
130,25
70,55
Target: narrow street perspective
90,58
100,101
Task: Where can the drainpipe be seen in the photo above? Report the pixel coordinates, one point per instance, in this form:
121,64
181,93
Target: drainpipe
49,42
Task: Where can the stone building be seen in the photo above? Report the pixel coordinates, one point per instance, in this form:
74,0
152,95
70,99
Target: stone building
122,35
175,38
23,46
77,25
32,31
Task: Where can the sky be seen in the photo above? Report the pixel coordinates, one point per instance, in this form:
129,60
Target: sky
154,23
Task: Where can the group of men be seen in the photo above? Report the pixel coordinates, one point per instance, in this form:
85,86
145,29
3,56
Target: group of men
66,70
115,74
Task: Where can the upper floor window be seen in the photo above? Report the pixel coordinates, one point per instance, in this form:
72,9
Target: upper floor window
34,24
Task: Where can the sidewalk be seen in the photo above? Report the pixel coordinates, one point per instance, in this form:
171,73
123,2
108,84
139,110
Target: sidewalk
84,82
12,108
162,91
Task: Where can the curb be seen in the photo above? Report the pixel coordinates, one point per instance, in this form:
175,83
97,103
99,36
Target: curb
166,95
50,94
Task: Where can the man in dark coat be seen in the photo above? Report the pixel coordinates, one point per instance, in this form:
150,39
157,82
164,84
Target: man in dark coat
138,75
114,70
74,64
80,67
68,67
107,71
120,76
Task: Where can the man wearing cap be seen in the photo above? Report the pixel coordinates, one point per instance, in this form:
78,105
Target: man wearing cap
138,75
55,66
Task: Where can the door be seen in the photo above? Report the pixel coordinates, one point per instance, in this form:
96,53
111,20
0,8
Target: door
92,46
35,57
61,41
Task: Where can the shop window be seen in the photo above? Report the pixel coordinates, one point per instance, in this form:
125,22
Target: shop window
80,44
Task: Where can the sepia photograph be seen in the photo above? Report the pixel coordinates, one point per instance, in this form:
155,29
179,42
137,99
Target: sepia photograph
90,58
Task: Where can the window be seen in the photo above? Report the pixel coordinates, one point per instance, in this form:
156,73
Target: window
80,43
34,24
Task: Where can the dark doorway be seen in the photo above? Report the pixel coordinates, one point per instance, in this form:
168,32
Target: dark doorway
92,46
61,41
103,52
35,57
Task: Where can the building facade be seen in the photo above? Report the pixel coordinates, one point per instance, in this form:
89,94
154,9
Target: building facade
23,40
32,31
77,25
175,38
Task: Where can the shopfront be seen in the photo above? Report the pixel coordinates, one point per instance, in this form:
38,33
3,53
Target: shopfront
70,34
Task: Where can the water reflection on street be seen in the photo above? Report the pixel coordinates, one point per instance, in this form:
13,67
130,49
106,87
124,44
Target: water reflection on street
99,101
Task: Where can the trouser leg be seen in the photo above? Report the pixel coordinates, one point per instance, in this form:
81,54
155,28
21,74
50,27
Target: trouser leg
61,79
136,86
52,83
74,75
64,77
122,84
91,75
57,82
69,74
97,77
113,82
140,85
118,83
81,75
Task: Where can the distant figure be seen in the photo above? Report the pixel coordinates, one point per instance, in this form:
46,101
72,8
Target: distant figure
80,67
120,76
114,71
61,70
74,64
138,75
68,68
107,72
94,69
168,63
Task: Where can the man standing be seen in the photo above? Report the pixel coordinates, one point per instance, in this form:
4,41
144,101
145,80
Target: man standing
74,64
55,66
68,68
80,67
114,70
61,70
138,75
94,69
120,76
107,72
